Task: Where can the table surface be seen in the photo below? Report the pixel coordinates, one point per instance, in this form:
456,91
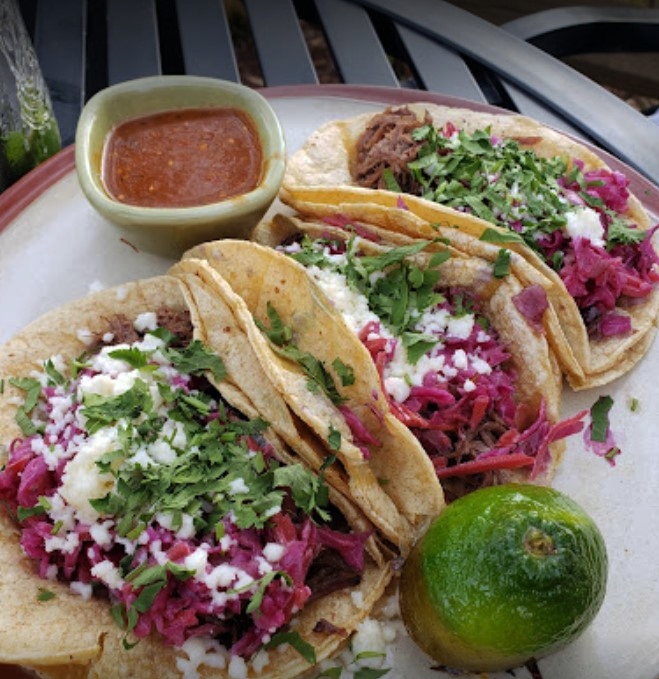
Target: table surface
428,45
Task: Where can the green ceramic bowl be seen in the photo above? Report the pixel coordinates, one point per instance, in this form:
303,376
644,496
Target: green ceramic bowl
170,231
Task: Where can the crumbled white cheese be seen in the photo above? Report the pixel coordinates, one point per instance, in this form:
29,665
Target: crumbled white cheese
584,222
108,573
264,565
260,661
162,452
146,321
201,651
352,306
197,561
67,543
82,589
273,552
460,359
237,486
83,481
460,326
237,668
85,335
100,533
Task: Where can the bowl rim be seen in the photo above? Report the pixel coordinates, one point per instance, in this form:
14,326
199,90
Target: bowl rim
242,204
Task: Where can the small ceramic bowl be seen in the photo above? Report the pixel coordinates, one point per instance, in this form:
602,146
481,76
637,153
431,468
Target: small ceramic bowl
171,230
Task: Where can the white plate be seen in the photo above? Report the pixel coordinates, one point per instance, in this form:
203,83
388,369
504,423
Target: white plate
54,247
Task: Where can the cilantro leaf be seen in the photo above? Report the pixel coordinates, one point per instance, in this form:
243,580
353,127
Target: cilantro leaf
345,372
309,492
196,359
334,438
133,356
417,345
101,411
619,232
304,648
45,594
54,375
32,389
502,263
320,379
599,413
390,182
491,235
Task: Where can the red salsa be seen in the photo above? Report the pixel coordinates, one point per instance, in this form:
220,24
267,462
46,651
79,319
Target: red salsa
182,158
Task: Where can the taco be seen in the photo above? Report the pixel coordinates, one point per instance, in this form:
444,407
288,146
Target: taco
509,180
470,382
153,522
393,483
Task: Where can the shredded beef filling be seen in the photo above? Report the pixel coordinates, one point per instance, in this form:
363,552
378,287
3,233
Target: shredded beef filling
468,445
121,329
387,143
329,573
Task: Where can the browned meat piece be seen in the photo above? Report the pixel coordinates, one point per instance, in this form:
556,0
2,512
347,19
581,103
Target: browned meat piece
387,143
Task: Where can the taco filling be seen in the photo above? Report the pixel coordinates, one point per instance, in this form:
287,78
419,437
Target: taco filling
134,480
445,373
575,221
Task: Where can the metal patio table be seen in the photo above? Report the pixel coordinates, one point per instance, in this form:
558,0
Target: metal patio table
85,45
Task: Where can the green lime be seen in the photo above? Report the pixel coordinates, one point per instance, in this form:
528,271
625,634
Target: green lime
503,575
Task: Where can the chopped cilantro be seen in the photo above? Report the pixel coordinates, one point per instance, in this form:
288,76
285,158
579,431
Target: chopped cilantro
612,453
599,413
620,232
369,654
196,359
32,389
502,263
309,492
491,235
305,649
403,291
417,345
55,377
334,438
135,357
257,598
390,182
280,335
42,506
45,594
345,372
102,411
24,422
633,403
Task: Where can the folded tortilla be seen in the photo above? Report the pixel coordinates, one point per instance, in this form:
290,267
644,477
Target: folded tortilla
400,493
270,280
324,173
61,634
